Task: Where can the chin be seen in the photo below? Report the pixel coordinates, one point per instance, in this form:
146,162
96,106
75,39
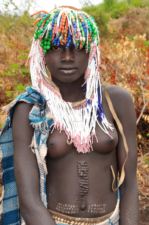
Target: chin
65,78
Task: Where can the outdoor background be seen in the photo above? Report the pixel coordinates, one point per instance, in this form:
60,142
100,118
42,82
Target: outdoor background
124,33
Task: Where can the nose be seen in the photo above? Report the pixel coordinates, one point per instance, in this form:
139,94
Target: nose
67,55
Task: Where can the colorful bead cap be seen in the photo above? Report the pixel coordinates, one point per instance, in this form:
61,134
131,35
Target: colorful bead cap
65,27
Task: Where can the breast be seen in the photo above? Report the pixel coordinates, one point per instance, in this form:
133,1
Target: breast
105,143
58,146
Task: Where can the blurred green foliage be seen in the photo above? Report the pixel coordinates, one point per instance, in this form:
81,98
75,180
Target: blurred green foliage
10,22
112,9
15,40
146,159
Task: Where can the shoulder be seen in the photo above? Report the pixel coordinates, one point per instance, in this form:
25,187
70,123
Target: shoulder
24,103
122,100
21,128
21,113
118,93
22,108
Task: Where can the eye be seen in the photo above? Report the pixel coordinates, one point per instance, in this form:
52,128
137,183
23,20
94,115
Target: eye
72,47
78,50
54,47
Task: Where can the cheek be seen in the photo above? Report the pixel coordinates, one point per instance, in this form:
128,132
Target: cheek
83,61
51,62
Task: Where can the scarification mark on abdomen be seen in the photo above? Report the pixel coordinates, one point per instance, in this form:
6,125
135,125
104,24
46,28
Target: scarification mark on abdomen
82,169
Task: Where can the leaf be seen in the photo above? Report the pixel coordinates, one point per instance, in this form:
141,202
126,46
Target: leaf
9,93
146,43
20,87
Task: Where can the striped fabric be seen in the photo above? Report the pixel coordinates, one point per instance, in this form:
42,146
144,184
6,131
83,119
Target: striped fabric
9,207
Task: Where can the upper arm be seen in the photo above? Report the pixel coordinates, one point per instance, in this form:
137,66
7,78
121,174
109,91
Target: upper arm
26,169
124,107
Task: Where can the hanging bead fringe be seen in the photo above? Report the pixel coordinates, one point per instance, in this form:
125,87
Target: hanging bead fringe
79,124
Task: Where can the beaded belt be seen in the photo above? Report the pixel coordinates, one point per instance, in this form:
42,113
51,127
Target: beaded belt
65,219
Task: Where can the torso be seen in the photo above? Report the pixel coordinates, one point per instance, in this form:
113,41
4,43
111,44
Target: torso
81,184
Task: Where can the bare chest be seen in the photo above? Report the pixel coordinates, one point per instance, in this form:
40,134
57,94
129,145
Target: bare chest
58,145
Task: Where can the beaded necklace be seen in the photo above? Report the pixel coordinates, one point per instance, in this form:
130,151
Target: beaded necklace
65,27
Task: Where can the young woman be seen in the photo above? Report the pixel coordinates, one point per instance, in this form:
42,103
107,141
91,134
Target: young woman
69,143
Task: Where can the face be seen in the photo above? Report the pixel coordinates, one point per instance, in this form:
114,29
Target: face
66,64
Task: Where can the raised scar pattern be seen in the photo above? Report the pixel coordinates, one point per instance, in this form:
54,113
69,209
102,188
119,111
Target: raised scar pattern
82,169
72,209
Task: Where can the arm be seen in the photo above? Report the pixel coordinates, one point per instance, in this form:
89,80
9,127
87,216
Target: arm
124,107
26,170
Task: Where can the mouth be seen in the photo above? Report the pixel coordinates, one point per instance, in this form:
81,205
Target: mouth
68,70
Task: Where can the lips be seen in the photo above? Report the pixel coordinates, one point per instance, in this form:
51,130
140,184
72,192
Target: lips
68,70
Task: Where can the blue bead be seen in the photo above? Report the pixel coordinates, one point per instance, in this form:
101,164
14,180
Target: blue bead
89,101
84,88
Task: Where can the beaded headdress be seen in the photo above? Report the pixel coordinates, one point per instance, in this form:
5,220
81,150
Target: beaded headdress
67,26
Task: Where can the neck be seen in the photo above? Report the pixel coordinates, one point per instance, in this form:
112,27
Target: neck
71,92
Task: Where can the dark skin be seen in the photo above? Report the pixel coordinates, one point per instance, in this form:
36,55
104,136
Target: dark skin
67,67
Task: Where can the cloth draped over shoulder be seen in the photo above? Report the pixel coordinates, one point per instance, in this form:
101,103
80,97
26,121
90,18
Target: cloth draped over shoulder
43,124
9,207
